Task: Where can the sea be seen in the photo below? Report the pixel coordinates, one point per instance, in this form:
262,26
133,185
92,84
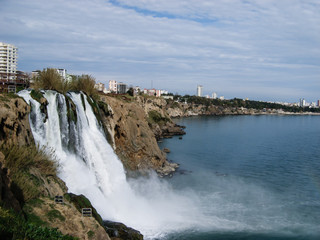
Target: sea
247,177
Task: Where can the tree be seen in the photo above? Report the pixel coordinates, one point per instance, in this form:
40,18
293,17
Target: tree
130,92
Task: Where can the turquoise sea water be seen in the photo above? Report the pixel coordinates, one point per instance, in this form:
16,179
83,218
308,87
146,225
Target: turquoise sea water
255,177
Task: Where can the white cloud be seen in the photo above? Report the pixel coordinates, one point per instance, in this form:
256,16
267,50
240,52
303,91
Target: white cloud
176,43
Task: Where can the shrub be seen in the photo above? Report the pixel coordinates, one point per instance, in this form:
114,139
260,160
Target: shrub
84,83
50,79
20,159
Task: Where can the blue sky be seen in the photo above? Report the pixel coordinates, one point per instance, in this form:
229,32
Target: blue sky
263,50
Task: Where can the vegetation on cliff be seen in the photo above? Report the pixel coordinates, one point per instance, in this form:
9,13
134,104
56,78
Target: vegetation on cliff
155,117
21,160
49,79
26,169
15,226
240,103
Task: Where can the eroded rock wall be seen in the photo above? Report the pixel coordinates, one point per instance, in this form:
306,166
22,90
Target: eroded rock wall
132,138
14,121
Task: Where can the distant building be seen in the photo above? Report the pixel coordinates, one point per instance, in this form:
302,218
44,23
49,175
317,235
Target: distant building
199,90
150,92
8,59
63,74
35,74
302,102
163,92
318,103
167,97
214,95
122,88
221,98
10,78
99,86
113,86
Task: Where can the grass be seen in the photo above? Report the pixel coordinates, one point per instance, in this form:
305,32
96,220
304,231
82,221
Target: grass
36,95
155,117
49,79
55,214
80,202
6,97
14,226
20,160
90,234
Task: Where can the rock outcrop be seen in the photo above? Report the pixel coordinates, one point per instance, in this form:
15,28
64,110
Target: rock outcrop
131,136
14,121
118,230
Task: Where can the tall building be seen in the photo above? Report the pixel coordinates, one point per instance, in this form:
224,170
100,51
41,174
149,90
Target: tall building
113,86
199,90
302,102
8,59
214,95
318,103
122,88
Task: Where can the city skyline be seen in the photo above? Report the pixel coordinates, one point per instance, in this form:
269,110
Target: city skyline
266,50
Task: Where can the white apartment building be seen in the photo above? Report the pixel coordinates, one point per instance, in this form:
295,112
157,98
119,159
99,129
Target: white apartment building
199,90
214,95
8,58
99,86
63,73
113,86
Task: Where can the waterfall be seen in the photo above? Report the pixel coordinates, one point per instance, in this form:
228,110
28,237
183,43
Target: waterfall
89,166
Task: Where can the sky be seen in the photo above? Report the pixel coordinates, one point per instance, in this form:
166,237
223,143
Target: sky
258,49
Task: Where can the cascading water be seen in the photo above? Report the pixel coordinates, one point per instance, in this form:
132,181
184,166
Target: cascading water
90,167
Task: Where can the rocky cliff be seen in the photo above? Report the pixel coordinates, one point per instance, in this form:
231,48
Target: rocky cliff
176,110
131,136
14,121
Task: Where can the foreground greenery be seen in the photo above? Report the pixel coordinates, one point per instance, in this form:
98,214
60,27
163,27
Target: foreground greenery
27,166
20,160
49,79
15,226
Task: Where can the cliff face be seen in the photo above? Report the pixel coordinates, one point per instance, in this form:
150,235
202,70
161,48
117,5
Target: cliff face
14,121
131,137
158,117
177,110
